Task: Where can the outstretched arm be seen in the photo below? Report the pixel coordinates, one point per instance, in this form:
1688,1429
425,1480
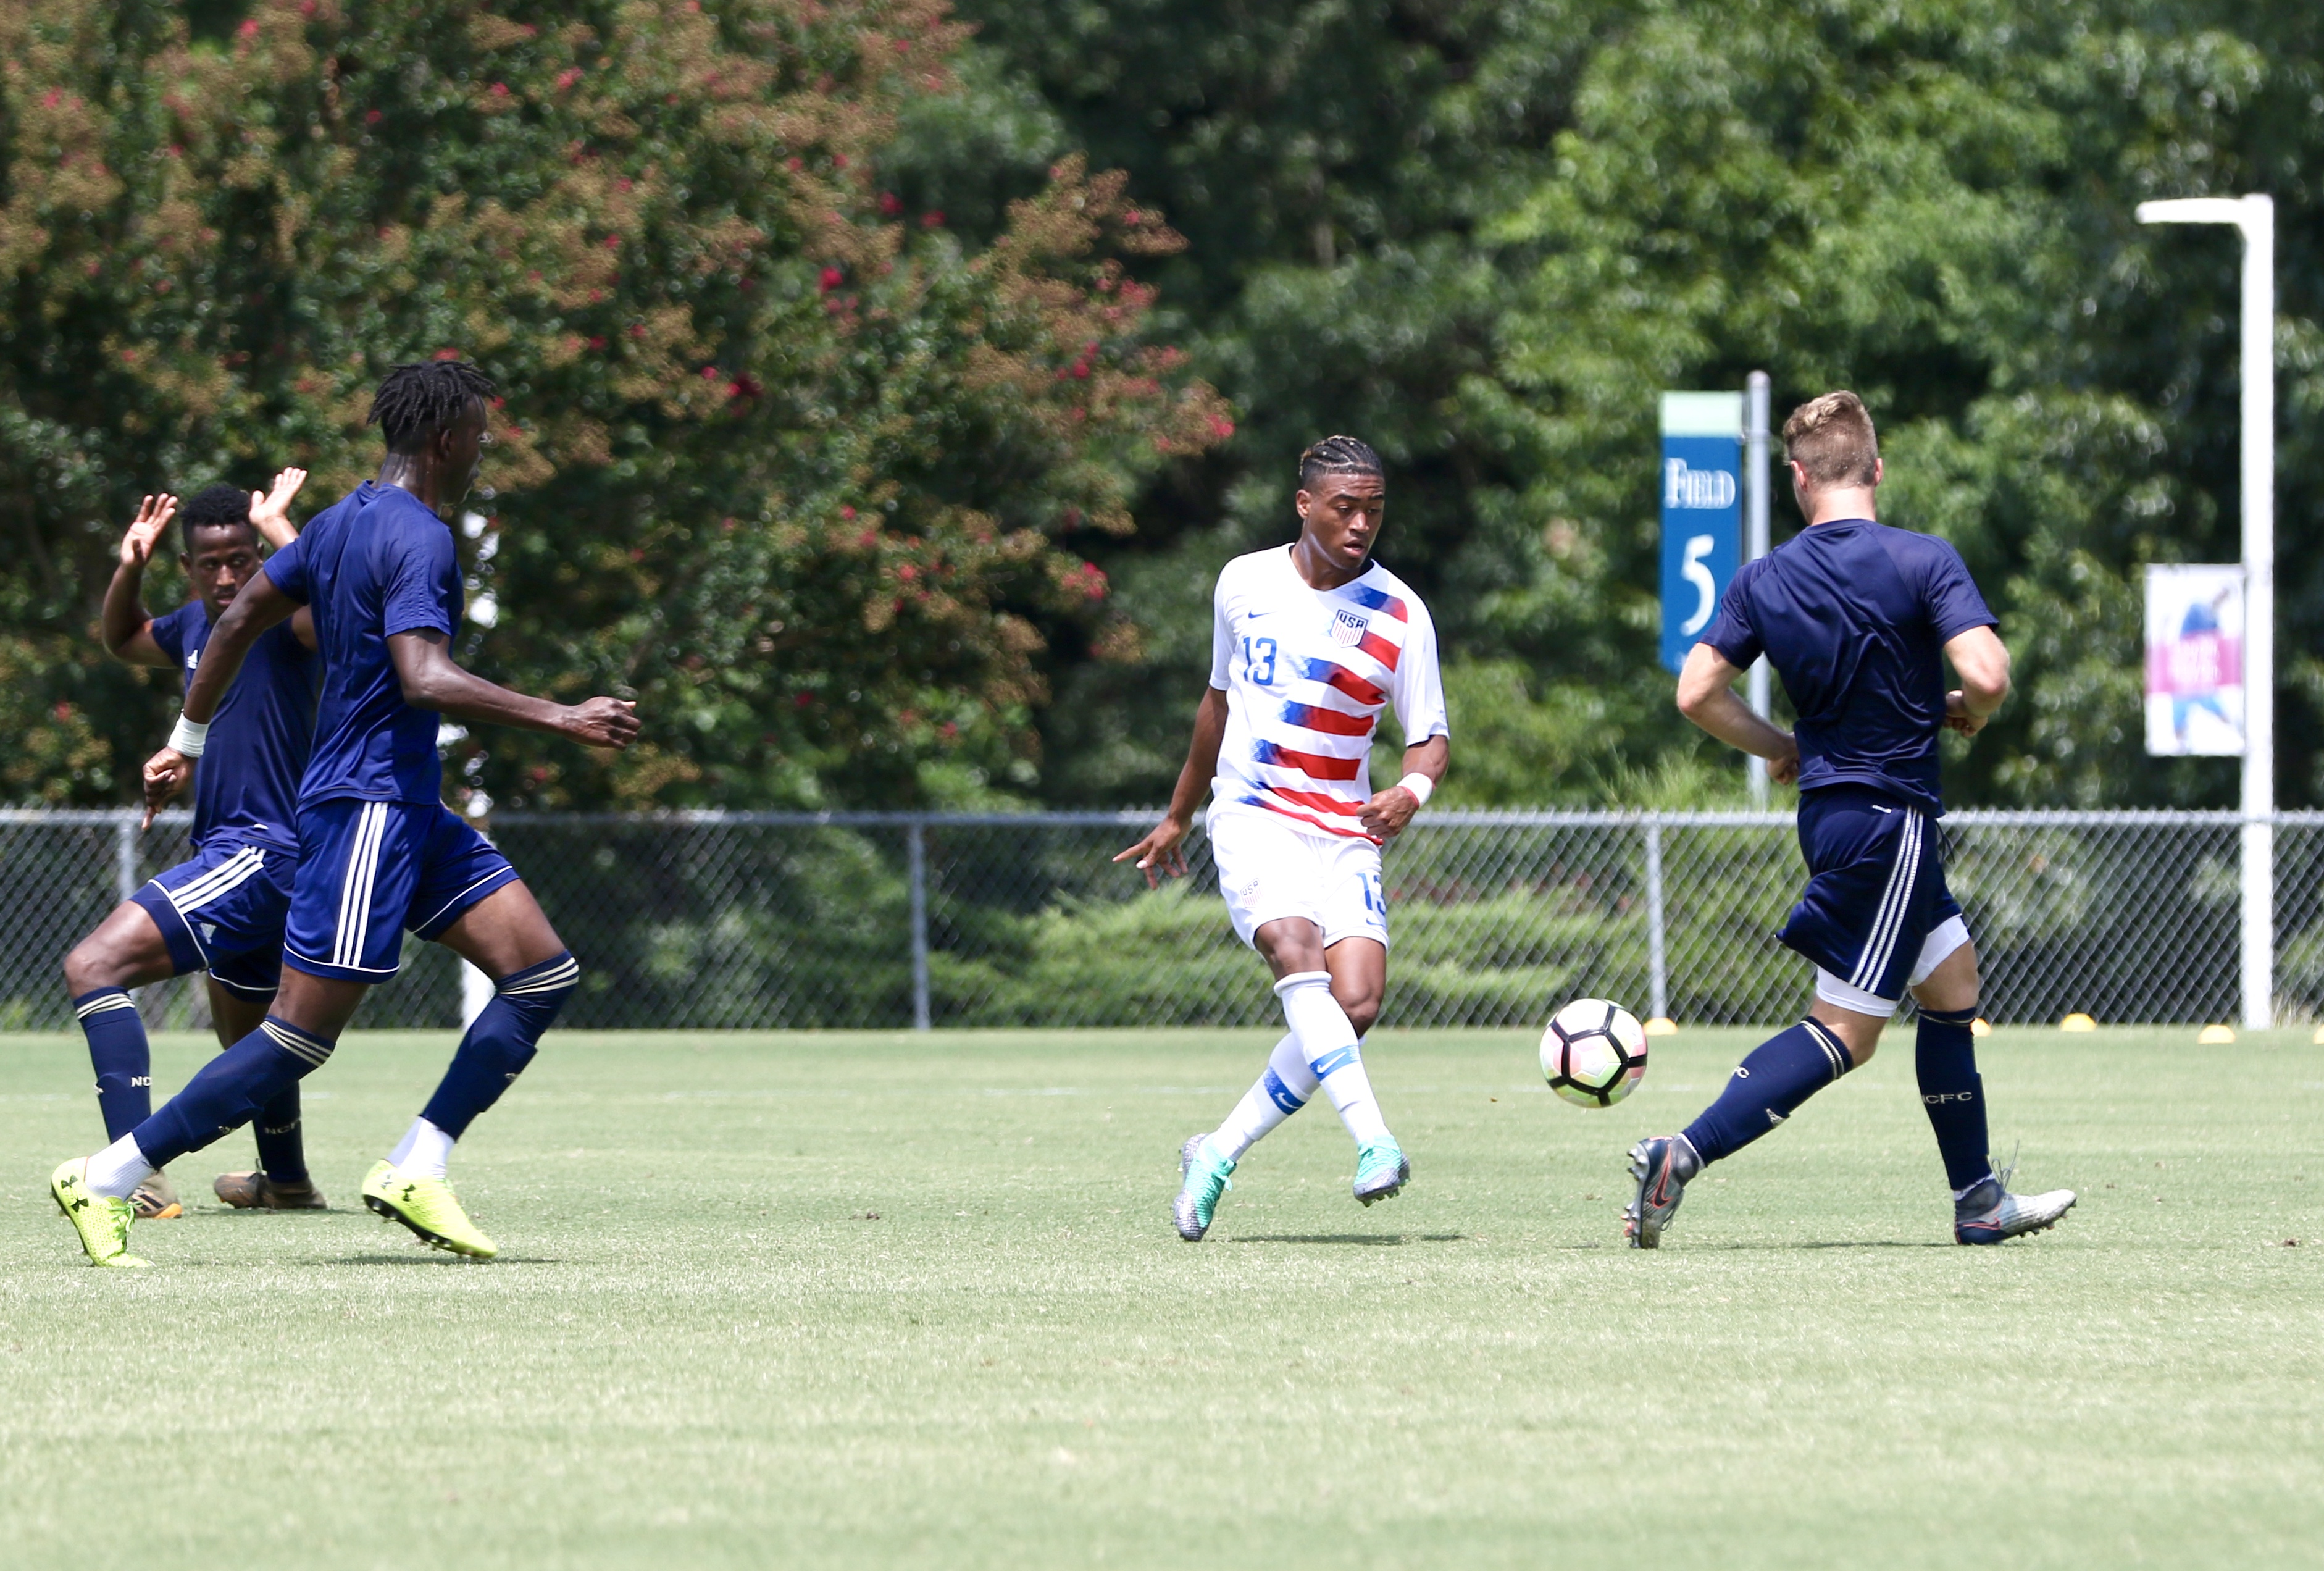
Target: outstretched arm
127,627
1982,661
1161,847
431,680
1706,695
259,606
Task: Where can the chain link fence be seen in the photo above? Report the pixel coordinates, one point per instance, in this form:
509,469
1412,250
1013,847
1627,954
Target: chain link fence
721,921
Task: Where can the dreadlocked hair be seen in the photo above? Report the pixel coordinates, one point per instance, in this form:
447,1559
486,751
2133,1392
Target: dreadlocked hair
415,401
1337,456
215,507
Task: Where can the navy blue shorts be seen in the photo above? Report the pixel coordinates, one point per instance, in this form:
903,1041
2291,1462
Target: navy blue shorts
369,870
1875,887
222,913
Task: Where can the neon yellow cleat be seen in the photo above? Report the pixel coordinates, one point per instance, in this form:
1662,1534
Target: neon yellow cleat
102,1221
428,1207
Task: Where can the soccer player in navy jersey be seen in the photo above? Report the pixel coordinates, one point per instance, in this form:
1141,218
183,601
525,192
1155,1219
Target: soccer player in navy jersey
1857,619
221,911
379,852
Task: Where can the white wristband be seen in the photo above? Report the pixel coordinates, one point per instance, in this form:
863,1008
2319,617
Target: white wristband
189,738
1419,785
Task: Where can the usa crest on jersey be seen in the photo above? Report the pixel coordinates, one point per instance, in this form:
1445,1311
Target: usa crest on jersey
1348,628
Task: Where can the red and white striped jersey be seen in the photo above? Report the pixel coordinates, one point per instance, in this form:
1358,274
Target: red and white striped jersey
1307,673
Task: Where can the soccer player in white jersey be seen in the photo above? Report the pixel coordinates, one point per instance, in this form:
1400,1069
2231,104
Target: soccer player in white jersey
1310,642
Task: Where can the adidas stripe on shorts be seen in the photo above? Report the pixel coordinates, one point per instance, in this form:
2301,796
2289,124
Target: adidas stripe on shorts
1875,896
369,872
223,912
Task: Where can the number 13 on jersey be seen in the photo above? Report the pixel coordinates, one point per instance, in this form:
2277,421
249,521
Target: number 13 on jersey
1258,661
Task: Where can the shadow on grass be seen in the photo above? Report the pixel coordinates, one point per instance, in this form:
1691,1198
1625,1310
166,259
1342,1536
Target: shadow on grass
445,1258
1836,1244
1365,1240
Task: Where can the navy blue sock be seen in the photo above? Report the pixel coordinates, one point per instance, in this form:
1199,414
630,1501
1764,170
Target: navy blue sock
124,1063
501,1042
282,1146
1953,1094
227,1092
1780,1074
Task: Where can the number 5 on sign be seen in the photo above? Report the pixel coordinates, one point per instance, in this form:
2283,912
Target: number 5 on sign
1692,570
1700,483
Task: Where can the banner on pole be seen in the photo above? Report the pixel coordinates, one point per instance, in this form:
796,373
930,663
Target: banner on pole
1702,488
2194,660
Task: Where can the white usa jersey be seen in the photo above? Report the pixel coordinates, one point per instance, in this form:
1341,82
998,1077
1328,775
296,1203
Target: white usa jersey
1307,673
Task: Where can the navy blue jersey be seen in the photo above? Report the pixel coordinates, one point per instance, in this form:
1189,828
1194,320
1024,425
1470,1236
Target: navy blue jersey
1854,616
375,563
247,783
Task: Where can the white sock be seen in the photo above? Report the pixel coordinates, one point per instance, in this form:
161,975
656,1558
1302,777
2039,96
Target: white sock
1335,1056
425,1151
118,1169
1287,1078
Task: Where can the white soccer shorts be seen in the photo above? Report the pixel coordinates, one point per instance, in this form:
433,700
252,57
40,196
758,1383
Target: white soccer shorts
1270,869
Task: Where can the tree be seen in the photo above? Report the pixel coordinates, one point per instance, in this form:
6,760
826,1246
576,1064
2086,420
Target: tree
802,470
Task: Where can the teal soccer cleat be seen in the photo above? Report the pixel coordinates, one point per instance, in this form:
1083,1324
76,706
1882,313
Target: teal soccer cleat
1381,1172
1202,1179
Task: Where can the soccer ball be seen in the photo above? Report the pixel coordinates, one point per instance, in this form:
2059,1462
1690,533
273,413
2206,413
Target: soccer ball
1594,1053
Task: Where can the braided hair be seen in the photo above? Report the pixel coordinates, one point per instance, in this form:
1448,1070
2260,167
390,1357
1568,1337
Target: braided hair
216,507
416,400
1337,456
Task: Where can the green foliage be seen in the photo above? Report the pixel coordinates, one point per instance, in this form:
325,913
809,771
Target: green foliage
1551,211
799,468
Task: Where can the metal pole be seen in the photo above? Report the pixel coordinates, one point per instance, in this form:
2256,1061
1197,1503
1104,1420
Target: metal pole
916,858
2258,224
1755,542
2255,216
1658,972
124,855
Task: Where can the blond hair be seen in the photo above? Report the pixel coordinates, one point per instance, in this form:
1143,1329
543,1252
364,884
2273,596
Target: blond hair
1831,438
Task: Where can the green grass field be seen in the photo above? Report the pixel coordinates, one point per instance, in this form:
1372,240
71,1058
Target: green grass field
884,1300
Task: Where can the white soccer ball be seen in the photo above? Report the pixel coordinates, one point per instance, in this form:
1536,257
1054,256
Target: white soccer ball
1594,1053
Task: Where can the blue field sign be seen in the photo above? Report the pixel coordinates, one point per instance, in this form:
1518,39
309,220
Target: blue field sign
1701,485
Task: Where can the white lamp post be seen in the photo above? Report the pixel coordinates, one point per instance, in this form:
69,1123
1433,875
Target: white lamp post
1755,542
2255,216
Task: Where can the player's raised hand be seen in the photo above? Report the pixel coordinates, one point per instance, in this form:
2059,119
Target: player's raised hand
1161,851
604,723
1960,717
153,516
166,774
270,511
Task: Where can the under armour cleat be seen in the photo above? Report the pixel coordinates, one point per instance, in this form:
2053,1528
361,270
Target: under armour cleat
428,1207
101,1220
1990,1214
1202,1180
257,1192
156,1199
1381,1172
1662,1166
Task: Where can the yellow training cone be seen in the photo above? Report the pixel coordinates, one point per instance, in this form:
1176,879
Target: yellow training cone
2215,1036
2078,1022
1661,1025
1980,1027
